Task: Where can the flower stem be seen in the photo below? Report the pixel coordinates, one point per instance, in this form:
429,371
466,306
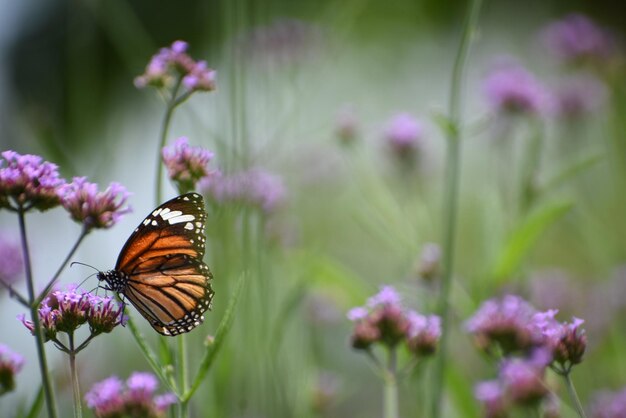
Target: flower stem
453,160
78,411
43,294
165,126
391,387
574,395
184,375
34,313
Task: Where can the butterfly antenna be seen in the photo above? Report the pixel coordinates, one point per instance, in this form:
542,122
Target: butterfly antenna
83,264
87,278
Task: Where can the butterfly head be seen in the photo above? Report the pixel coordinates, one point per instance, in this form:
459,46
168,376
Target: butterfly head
115,280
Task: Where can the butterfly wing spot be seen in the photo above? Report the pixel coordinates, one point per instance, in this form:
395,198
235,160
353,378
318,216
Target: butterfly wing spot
157,211
180,218
188,226
154,223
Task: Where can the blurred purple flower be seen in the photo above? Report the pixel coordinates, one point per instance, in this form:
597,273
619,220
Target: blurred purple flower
491,395
282,42
255,187
523,379
93,208
186,165
110,398
358,313
104,314
609,404
424,333
577,39
511,89
10,364
27,181
105,398
429,261
11,261
347,125
506,322
403,135
578,96
387,295
170,63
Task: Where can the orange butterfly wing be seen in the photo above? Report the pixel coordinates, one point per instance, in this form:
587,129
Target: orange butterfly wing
167,281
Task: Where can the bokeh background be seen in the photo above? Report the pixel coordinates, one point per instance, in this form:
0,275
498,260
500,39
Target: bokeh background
290,76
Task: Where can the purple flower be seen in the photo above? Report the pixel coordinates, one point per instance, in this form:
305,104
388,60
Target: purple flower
491,395
92,208
27,181
11,262
609,404
511,89
106,398
576,39
66,311
357,314
111,398
104,314
578,96
403,135
430,258
255,187
566,341
186,165
170,63
424,333
506,322
523,379
10,364
387,295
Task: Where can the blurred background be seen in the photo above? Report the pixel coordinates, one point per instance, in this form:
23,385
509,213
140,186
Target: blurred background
340,101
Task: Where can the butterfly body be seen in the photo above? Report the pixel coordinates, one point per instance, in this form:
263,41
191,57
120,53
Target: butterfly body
160,268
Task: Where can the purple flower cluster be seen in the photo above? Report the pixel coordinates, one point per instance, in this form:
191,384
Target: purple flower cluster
403,135
578,96
576,39
186,165
511,89
10,364
27,181
66,311
254,187
386,321
609,404
520,382
93,208
511,325
110,398
11,261
173,62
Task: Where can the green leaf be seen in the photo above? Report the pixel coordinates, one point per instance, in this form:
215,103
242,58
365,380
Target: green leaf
571,170
214,348
35,408
151,356
524,238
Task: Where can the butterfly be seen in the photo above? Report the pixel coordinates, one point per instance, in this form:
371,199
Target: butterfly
160,268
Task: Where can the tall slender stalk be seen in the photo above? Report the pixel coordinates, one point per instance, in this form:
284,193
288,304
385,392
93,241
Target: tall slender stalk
78,409
453,161
184,375
391,386
574,395
172,103
34,313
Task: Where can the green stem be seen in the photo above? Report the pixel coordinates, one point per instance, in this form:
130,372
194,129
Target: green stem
453,160
34,313
78,410
43,294
184,375
574,395
165,126
391,387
